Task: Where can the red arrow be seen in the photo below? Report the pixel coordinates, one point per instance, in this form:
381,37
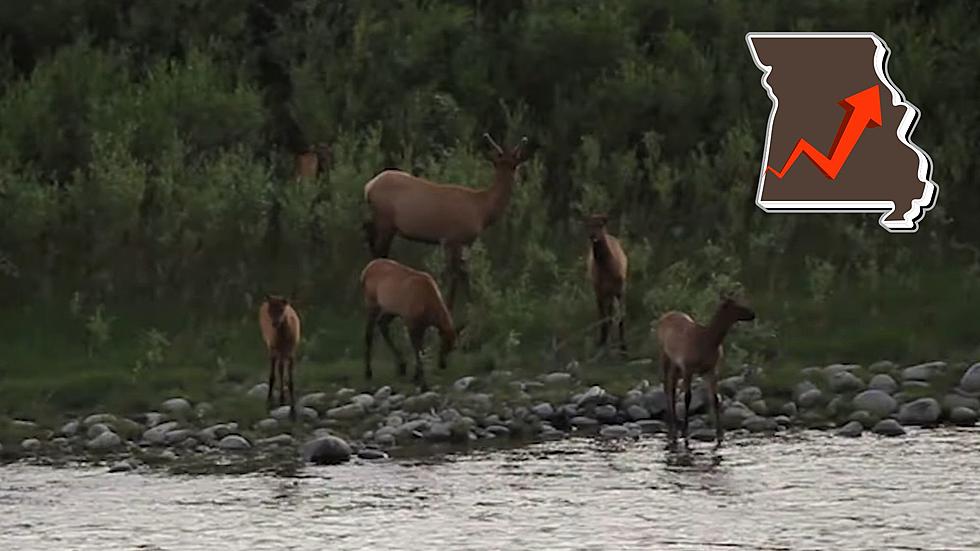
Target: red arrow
863,111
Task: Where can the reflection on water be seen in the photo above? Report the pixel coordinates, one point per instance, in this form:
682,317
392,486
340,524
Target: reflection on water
793,492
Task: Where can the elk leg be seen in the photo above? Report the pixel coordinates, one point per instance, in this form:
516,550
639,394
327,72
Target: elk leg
272,380
384,324
454,271
417,334
292,389
604,321
668,376
687,403
622,321
379,237
281,368
372,317
715,404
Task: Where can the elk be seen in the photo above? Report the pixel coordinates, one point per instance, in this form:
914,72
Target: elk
607,267
312,160
688,349
448,215
280,327
394,290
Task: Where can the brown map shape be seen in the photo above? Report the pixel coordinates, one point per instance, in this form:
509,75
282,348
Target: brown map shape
809,74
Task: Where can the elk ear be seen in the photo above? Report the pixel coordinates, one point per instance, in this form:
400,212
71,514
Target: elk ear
496,147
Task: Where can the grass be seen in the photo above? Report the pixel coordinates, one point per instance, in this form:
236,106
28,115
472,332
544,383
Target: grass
49,372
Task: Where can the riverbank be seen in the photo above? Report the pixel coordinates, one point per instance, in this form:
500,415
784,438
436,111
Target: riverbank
496,409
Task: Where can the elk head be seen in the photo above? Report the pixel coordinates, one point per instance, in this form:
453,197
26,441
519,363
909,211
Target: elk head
277,309
596,226
735,310
503,159
449,338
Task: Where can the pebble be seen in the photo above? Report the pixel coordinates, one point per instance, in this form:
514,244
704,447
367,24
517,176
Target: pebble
234,442
888,427
851,429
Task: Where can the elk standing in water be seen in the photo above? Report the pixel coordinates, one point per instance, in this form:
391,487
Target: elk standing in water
608,268
427,212
688,349
394,290
280,327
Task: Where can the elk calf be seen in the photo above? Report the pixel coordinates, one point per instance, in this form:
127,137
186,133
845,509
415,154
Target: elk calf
688,349
447,215
280,327
312,160
607,266
394,290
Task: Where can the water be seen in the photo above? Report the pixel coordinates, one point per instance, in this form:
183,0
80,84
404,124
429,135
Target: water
799,491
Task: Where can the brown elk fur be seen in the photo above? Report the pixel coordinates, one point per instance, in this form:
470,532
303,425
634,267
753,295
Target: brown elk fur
688,349
280,327
394,290
452,216
311,161
608,269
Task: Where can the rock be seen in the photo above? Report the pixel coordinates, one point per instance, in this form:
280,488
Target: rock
259,391
888,427
782,420
844,381
307,414
833,369
498,430
729,386
851,429
121,467
277,440
543,410
954,400
30,444
203,409
439,432
652,425
924,411
760,407
176,407
60,442
916,385
583,423
234,442
812,372
557,378
788,409
757,423
606,413
382,393
315,400
105,441
656,401
734,415
970,381
839,405
923,372
637,412
876,402
802,388
703,434
463,383
177,436
166,455
810,398
748,395
104,418
345,412
614,431
883,382
594,395
865,418
69,429
371,454
214,432
280,413
157,435
883,366
963,416
97,429
326,450
267,425
153,418
422,402
366,401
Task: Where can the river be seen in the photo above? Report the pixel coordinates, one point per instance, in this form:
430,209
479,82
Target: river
794,491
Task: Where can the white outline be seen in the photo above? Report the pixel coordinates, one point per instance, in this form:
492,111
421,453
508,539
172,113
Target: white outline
930,191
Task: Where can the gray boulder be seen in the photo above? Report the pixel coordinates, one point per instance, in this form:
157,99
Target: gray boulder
30,444
316,400
810,398
557,378
346,412
729,386
97,429
760,407
845,381
583,423
606,413
614,431
757,423
267,425
655,400
876,402
851,429
883,366
104,418
259,391
833,369
749,394
963,417
970,381
382,393
923,372
69,429
543,410
883,382
888,427
277,440
366,401
176,407
594,395
234,442
157,435
788,409
422,402
326,450
865,418
651,425
498,431
637,412
924,411
464,383
734,415
371,454
104,442
955,400
177,436
121,467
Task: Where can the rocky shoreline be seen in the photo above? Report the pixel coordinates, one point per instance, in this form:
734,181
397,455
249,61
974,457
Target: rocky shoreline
851,400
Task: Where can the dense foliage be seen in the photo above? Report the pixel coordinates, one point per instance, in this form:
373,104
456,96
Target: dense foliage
146,145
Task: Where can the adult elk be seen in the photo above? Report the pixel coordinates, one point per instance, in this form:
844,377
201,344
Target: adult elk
607,267
449,215
688,349
280,328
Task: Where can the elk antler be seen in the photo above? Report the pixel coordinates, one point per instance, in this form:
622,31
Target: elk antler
493,143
